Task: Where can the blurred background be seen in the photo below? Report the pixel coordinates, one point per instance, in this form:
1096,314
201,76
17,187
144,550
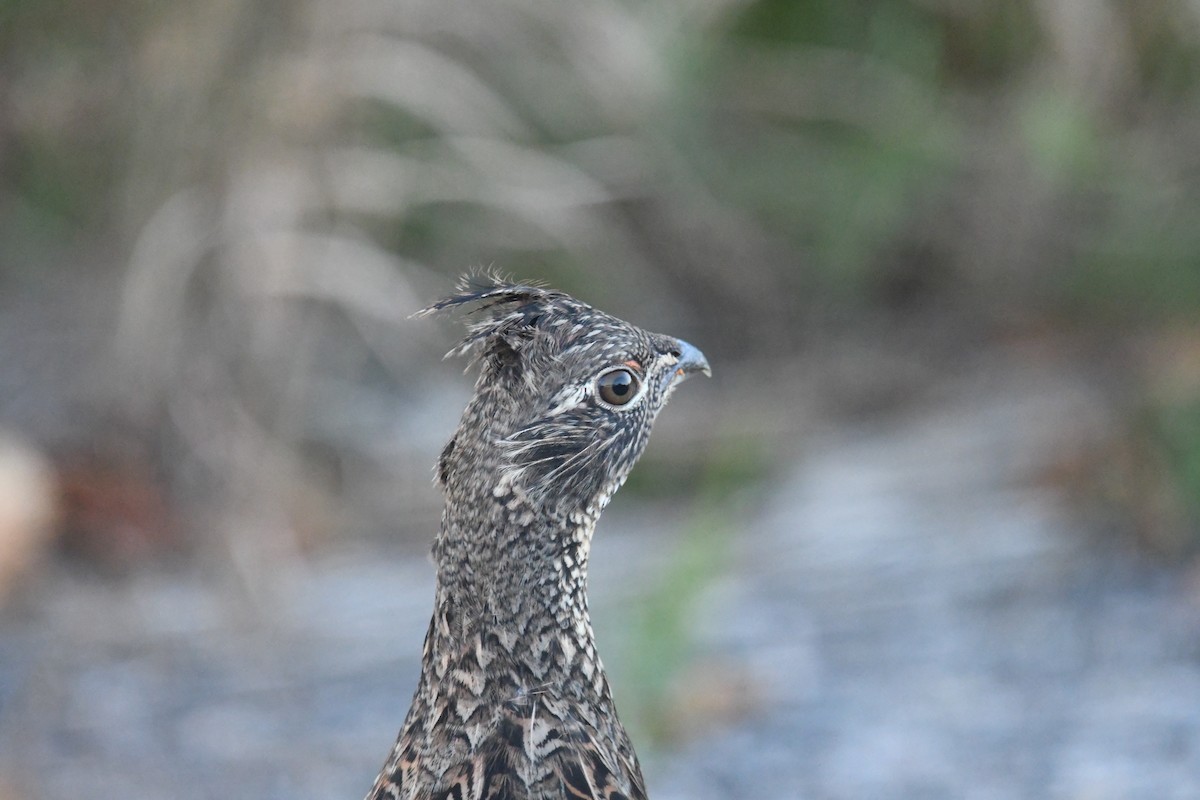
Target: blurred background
929,531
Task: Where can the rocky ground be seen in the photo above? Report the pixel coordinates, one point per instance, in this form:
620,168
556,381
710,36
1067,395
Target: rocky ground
913,614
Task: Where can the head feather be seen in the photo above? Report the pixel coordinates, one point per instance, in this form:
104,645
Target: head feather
510,313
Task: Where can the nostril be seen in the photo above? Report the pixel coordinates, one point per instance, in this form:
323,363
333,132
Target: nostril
690,359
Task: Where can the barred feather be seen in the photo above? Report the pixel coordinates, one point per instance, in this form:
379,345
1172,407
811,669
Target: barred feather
512,702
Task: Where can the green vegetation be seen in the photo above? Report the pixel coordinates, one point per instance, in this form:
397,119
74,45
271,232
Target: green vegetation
657,644
776,164
1174,431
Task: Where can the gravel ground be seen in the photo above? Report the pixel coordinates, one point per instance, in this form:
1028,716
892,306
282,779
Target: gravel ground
932,623
912,615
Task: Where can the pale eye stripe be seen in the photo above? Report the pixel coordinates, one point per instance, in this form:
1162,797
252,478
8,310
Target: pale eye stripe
663,359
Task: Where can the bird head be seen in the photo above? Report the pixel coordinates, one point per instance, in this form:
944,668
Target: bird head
565,399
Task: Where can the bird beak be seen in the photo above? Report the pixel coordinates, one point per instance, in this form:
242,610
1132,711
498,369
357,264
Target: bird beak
690,360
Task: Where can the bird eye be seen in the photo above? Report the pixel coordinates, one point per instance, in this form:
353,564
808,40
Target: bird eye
617,387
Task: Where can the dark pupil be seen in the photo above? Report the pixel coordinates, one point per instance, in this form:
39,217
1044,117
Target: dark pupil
617,387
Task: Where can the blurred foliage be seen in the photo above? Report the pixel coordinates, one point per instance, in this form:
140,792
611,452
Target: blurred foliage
658,645
830,135
1176,431
280,184
729,464
60,129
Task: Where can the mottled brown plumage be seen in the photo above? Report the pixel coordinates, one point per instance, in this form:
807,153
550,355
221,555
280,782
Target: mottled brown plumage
512,702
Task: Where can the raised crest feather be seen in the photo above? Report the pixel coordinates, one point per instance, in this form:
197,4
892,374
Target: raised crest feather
490,289
512,310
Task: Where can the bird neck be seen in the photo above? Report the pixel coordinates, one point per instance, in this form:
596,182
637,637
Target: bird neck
518,577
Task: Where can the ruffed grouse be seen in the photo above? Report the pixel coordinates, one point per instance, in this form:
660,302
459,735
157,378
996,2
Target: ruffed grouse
513,702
